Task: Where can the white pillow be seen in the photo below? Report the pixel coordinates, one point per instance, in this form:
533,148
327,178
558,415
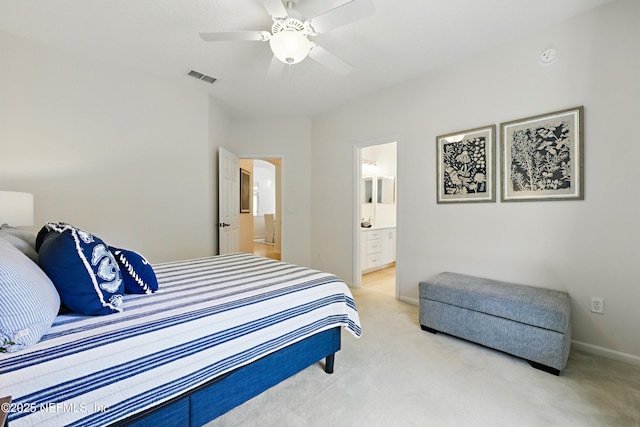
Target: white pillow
25,235
29,302
20,244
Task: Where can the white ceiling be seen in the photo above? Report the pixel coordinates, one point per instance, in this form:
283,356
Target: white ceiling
159,38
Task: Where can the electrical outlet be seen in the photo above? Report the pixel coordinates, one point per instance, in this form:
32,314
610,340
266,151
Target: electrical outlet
597,305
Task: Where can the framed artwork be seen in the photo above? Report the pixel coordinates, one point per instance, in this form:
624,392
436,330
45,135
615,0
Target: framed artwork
245,191
542,157
465,163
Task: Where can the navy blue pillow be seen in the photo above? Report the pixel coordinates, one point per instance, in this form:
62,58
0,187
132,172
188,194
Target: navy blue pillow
82,269
137,274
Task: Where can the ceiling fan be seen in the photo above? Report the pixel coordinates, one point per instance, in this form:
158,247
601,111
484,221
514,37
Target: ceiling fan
290,32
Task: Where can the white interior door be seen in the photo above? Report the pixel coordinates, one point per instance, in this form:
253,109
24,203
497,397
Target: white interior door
228,201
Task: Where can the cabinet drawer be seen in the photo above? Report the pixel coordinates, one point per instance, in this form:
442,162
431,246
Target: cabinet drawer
374,260
374,246
373,235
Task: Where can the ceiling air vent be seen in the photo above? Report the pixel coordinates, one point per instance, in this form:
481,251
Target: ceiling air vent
203,77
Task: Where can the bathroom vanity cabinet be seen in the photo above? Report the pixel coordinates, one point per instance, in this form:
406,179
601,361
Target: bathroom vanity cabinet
377,248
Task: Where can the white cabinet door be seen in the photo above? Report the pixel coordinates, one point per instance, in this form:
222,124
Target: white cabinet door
390,246
363,250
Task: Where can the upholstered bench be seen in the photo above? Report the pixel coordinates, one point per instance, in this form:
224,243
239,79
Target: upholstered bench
525,321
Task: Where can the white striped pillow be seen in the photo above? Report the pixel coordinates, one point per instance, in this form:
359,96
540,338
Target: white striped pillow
29,302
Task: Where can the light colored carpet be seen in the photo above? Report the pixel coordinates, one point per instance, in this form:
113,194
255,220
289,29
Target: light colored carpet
398,375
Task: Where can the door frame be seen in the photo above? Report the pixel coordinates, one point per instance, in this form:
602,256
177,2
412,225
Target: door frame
357,209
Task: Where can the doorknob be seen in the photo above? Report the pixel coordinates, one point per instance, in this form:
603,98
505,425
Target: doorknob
223,224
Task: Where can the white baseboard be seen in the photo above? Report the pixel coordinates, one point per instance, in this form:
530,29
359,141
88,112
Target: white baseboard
411,301
605,352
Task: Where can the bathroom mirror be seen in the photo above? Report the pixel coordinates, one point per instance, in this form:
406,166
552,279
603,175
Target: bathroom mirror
367,190
386,189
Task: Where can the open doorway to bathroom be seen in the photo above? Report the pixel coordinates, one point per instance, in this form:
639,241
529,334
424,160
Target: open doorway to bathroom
377,185
260,227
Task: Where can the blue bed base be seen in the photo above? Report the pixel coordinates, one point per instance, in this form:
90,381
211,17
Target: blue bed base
224,393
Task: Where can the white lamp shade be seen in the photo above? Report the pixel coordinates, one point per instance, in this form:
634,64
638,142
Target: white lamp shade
16,208
290,47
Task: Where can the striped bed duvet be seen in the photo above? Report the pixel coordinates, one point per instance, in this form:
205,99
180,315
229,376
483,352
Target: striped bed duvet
211,315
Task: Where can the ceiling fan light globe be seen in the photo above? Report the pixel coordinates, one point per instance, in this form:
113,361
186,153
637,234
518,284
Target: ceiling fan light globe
290,47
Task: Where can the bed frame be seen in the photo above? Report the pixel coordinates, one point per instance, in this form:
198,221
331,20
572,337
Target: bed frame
223,393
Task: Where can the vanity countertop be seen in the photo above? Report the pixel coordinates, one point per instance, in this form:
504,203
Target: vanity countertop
379,227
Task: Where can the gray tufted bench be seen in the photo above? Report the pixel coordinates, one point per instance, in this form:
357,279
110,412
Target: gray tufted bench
525,321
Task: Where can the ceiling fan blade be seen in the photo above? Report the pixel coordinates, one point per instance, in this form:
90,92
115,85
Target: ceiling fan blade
342,15
329,60
275,68
311,8
236,36
275,8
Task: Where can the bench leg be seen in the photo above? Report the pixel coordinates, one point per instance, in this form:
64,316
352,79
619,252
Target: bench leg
428,329
544,368
536,365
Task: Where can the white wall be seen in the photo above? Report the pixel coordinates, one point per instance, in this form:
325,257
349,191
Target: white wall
583,247
289,139
106,150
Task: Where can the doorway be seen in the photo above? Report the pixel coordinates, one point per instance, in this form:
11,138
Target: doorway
264,206
235,217
376,201
266,236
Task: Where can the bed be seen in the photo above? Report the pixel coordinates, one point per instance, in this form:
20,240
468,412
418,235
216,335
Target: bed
219,331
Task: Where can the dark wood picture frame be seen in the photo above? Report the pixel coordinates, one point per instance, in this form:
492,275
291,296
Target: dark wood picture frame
245,191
